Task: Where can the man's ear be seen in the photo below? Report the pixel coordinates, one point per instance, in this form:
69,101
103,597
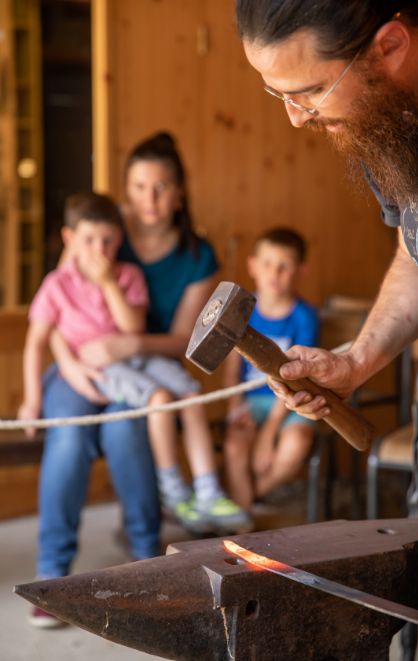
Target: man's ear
392,44
66,235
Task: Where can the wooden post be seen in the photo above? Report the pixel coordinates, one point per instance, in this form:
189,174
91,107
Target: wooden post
103,99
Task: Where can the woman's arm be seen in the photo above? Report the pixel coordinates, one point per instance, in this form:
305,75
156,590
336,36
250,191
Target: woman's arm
173,344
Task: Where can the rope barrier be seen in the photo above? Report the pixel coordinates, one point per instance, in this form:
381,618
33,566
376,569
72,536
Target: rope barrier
130,414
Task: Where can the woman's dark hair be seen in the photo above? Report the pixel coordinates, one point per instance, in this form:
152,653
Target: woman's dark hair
162,147
344,27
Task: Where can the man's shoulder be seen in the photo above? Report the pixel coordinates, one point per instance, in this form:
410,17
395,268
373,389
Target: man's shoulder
390,211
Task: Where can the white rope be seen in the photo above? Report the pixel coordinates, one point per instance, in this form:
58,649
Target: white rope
224,393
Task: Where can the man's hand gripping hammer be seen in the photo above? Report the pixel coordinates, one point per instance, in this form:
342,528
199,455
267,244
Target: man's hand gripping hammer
223,325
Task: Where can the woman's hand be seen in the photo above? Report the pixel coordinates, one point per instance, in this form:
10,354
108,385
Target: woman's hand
330,370
81,378
110,349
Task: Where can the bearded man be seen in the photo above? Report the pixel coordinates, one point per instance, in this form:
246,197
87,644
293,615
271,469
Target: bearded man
349,68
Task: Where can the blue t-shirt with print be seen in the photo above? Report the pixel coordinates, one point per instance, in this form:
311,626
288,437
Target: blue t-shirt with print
300,326
168,278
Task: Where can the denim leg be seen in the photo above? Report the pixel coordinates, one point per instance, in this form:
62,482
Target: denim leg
126,448
66,463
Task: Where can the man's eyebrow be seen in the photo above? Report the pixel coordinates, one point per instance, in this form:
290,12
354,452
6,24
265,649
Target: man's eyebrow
303,90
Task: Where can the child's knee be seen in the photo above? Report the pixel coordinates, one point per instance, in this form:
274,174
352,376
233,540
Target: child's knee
233,449
160,396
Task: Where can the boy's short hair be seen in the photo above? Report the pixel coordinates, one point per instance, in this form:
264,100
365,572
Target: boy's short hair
92,207
283,236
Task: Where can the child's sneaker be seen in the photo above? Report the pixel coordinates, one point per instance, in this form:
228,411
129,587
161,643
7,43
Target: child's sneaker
190,518
42,620
224,516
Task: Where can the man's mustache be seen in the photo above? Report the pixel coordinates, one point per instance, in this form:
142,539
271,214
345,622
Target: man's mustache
321,124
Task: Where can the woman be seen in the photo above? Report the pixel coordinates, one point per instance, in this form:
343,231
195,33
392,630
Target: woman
180,272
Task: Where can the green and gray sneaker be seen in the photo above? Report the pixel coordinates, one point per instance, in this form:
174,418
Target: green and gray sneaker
223,516
186,513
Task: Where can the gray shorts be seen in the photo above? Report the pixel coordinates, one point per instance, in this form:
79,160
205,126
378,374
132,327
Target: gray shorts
134,381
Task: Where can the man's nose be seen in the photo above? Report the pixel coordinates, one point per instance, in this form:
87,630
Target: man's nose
298,118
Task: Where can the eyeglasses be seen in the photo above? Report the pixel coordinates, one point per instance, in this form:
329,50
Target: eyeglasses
312,111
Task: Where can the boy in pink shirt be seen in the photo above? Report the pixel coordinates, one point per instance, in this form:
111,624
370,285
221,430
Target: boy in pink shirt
93,295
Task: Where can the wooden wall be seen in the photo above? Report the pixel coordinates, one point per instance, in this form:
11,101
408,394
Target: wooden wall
178,65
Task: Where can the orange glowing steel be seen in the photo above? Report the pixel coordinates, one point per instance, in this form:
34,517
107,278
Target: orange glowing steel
255,559
324,584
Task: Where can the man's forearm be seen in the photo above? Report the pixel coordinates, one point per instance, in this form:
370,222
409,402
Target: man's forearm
393,321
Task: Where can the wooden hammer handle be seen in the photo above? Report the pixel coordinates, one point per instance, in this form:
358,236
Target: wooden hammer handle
268,358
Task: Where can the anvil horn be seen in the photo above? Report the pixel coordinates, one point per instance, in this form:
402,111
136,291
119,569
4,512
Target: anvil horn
199,602
157,606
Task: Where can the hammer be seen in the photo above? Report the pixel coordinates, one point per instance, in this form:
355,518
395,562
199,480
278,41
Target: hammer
223,325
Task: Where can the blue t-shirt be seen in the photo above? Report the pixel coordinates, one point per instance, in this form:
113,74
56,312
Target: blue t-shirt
168,278
300,326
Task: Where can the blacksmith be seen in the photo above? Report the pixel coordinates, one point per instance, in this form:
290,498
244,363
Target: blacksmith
350,70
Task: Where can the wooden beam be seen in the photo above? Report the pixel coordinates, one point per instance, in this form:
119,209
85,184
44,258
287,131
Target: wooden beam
103,37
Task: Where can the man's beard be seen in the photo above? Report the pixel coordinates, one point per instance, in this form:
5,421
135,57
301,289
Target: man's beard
382,135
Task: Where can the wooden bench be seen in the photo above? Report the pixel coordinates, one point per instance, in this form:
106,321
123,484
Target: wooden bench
19,456
17,450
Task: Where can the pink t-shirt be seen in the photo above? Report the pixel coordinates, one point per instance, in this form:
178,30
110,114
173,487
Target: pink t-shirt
77,307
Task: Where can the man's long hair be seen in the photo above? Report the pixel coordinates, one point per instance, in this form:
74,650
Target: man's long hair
343,27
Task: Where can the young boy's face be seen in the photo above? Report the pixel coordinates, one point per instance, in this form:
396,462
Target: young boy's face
275,269
92,239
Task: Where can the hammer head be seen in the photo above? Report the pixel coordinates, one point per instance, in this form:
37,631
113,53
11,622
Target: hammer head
220,325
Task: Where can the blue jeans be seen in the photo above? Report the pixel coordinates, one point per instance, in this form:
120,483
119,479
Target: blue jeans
66,464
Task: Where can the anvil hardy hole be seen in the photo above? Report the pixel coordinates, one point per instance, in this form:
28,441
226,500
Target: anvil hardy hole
387,531
235,561
252,609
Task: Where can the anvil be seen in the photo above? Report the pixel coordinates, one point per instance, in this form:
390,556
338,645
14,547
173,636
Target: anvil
199,603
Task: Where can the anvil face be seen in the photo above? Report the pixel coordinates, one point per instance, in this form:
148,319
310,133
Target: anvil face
199,603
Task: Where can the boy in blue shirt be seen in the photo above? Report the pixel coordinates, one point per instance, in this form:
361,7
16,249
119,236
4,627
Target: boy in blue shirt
265,443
